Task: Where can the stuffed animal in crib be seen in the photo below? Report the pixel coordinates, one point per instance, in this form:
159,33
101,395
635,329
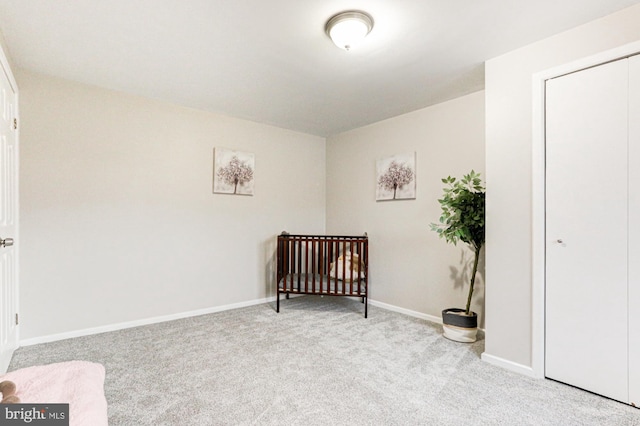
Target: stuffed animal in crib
347,262
8,390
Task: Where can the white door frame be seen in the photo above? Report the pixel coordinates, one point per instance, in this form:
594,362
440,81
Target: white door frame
6,68
538,261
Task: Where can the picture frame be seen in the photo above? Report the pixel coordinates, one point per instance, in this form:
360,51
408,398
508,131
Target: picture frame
396,177
233,172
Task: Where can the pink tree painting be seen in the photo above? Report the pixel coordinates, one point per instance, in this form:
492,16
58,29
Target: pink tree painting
233,172
396,178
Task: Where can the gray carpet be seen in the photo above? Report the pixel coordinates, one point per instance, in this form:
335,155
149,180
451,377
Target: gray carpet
317,362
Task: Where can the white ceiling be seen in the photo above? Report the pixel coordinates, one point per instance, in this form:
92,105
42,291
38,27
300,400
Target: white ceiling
270,61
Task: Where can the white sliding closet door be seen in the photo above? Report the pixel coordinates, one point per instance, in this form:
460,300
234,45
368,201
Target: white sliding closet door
587,230
634,230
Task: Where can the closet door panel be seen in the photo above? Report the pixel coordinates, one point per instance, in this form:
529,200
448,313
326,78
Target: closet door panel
634,230
586,241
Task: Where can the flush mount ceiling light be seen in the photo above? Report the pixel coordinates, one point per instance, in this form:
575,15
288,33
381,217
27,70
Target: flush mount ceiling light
348,29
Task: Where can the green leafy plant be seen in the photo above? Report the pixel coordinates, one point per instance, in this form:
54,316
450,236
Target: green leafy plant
462,217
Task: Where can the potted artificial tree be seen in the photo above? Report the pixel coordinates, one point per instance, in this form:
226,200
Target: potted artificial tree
462,219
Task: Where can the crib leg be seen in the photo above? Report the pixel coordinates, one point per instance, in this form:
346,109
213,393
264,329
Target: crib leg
278,302
366,305
362,299
287,295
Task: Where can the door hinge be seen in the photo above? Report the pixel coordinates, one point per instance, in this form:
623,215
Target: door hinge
15,124
16,319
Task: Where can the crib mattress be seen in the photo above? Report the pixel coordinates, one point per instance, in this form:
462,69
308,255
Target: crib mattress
304,283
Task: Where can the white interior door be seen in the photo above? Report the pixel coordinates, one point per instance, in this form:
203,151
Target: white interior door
634,230
8,217
586,230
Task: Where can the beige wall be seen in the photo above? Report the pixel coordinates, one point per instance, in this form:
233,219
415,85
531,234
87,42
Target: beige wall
6,51
509,109
119,223
411,268
118,218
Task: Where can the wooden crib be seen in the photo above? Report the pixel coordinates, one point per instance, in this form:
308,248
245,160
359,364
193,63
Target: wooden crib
328,265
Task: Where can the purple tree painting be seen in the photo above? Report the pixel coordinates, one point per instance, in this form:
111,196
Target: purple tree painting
233,172
396,178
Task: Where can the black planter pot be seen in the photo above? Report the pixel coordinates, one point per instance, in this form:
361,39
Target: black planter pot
460,328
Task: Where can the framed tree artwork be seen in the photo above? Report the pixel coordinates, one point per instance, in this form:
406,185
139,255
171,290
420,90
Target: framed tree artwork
233,172
396,177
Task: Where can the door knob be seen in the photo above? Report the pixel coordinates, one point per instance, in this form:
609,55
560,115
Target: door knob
6,242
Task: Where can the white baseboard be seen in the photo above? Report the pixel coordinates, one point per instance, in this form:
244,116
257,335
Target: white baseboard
415,314
431,318
138,323
171,317
509,365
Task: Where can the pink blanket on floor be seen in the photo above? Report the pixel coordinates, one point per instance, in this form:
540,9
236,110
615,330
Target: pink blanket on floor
79,383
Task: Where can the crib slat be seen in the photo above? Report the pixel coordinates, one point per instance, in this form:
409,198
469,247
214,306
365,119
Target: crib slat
337,257
299,264
351,268
344,267
360,272
287,262
292,262
356,269
321,265
305,252
313,265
